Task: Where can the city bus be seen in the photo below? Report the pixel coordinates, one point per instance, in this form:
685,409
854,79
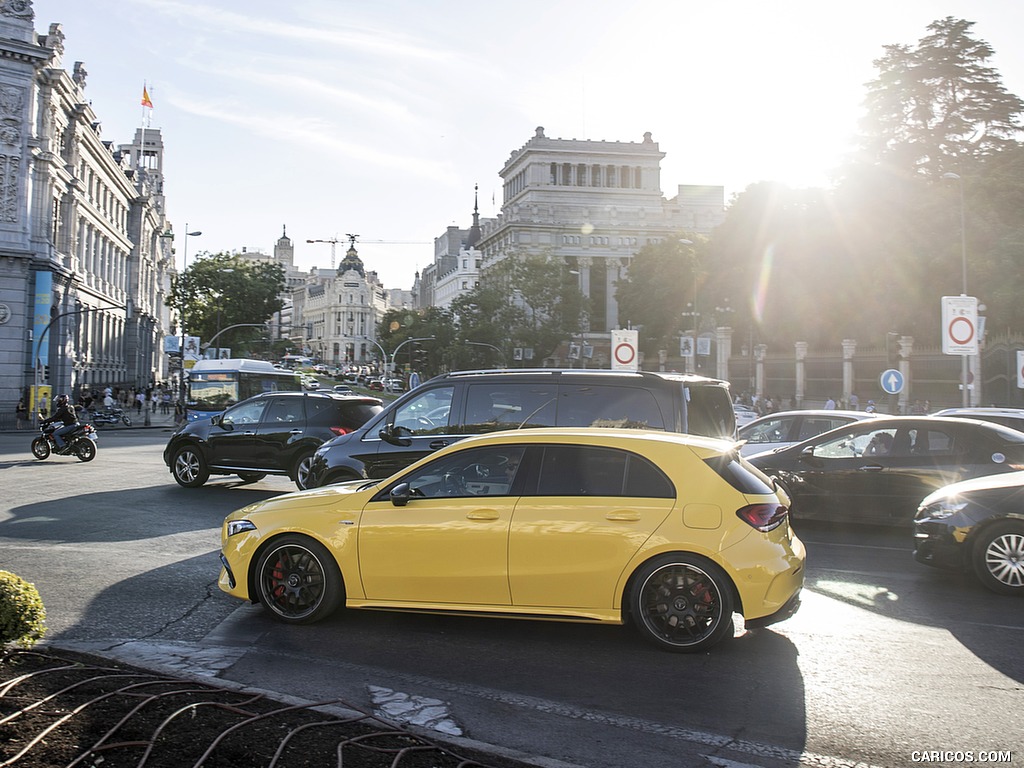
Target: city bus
214,385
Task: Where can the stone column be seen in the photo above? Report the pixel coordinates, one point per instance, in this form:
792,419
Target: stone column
849,347
723,351
760,352
906,346
801,374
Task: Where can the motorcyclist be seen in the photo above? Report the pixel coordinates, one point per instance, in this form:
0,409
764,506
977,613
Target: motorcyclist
63,412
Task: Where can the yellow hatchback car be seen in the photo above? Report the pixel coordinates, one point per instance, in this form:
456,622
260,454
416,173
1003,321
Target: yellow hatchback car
672,532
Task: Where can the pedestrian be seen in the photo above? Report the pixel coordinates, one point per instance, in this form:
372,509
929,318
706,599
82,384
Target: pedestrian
830,404
21,413
854,401
44,406
140,399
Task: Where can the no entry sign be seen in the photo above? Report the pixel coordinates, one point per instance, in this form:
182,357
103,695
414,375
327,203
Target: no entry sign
959,325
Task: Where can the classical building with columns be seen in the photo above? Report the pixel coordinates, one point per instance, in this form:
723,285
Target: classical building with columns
593,204
85,256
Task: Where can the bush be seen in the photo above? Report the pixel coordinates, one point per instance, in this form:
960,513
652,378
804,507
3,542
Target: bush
22,615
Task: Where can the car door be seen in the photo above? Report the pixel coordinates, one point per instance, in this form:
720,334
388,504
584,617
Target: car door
449,544
577,524
233,440
415,428
282,428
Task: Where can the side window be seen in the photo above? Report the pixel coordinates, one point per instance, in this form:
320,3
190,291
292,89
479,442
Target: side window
850,445
285,410
428,413
245,413
601,406
771,431
930,442
814,426
571,470
491,407
709,411
479,472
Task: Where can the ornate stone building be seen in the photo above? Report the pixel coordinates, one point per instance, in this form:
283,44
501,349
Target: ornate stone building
85,256
456,266
593,204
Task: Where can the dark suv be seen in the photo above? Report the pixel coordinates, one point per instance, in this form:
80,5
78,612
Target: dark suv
456,405
274,433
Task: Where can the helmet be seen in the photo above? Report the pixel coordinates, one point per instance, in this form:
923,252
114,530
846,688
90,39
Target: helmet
60,400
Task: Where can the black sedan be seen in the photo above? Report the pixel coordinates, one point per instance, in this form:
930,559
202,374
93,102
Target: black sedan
976,525
878,470
274,433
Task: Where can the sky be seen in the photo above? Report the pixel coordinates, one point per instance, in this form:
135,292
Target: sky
325,118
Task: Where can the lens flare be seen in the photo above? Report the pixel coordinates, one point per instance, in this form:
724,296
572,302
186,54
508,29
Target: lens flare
760,296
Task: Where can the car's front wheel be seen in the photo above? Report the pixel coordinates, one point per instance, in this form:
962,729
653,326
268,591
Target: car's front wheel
999,558
189,468
298,580
302,472
682,603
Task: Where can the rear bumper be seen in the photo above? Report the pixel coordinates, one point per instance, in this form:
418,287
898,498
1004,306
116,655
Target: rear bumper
790,607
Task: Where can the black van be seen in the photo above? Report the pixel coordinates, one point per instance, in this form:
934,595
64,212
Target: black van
456,405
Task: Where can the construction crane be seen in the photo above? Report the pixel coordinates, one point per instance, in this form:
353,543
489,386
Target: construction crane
334,242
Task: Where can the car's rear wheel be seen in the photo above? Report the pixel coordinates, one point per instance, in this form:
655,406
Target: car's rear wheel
251,477
302,471
189,468
298,580
682,603
999,558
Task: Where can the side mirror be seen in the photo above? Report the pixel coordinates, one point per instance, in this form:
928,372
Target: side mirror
401,494
215,420
389,434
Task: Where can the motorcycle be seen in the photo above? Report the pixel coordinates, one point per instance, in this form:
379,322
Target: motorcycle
80,442
111,416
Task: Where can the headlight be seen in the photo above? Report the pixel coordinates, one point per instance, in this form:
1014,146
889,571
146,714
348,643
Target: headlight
940,510
240,526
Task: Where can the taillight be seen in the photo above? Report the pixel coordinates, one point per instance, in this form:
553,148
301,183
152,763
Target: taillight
340,430
763,517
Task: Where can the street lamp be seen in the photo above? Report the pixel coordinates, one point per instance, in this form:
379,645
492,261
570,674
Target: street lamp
692,311
964,365
184,268
501,355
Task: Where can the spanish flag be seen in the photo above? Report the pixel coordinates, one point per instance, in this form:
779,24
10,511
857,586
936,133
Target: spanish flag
145,98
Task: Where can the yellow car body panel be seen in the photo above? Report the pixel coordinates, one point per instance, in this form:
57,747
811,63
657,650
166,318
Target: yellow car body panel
542,557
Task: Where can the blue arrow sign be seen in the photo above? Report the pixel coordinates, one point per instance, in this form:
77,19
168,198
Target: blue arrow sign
892,381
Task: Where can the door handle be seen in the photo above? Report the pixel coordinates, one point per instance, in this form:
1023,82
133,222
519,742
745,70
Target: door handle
871,468
625,517
295,432
249,434
483,514
435,444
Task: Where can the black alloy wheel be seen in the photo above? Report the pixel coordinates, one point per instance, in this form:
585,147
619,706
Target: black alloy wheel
682,603
998,558
298,580
189,468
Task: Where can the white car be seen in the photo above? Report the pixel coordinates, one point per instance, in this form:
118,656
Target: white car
744,415
777,430
310,382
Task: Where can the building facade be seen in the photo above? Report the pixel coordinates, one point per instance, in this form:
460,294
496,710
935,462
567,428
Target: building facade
85,251
593,204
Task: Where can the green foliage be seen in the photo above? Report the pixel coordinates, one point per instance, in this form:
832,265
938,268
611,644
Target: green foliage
220,290
22,615
398,326
938,106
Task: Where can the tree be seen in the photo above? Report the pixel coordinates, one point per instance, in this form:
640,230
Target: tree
939,106
664,281
220,290
426,357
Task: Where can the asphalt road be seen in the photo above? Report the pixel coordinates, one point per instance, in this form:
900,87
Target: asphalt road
888,663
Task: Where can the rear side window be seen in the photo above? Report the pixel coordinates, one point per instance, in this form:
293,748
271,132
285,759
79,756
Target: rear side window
738,473
572,470
328,412
508,406
597,406
285,410
709,411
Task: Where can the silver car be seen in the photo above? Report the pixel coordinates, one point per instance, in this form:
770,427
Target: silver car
778,430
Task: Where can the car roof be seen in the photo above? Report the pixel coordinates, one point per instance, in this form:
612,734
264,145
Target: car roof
513,373
815,412
981,410
320,394
593,436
